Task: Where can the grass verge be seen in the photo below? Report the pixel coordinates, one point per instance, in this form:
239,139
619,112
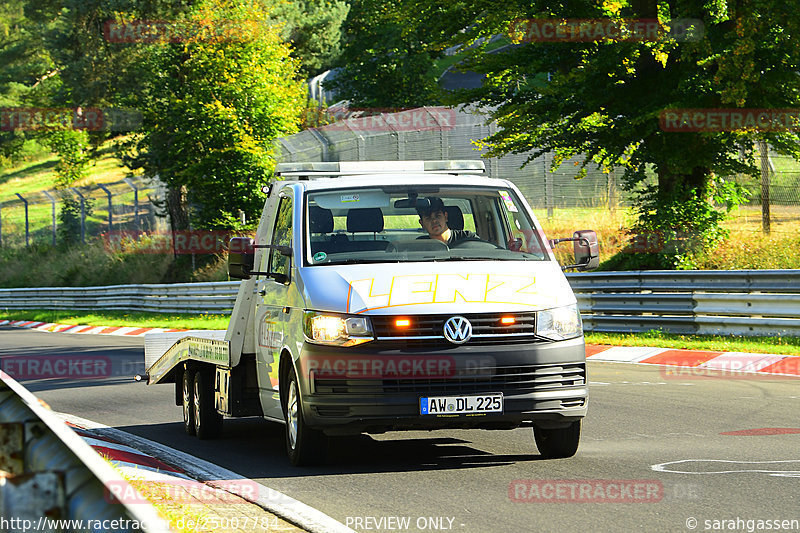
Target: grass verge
119,318
716,343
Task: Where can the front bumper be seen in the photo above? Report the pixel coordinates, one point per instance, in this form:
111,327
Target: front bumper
377,387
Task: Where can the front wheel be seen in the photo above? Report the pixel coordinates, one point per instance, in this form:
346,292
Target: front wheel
304,445
557,443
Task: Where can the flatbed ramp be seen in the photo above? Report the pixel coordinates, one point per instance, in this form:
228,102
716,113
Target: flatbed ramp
164,351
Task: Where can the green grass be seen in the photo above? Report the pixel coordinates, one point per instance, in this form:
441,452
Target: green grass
120,318
717,343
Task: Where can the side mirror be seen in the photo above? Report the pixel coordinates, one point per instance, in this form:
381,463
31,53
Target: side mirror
241,256
587,250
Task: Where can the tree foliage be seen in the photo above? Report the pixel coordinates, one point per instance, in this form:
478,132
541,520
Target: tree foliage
386,62
314,28
213,106
603,99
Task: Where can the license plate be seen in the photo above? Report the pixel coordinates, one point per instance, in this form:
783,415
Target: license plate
461,405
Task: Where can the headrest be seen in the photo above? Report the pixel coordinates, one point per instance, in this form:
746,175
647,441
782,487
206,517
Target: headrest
366,219
320,220
455,218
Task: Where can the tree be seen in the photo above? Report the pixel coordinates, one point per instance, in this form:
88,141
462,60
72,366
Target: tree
386,62
605,97
212,106
314,27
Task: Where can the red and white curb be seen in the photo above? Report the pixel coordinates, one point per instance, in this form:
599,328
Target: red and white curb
137,459
740,362
128,331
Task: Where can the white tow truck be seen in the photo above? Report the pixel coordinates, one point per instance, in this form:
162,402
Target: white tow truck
386,295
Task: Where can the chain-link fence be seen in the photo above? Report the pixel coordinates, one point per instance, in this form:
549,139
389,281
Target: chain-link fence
441,133
78,214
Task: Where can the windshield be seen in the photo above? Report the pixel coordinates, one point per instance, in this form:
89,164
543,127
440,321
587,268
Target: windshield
375,225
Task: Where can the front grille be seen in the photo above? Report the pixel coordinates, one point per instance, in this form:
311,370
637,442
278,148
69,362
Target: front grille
511,380
486,328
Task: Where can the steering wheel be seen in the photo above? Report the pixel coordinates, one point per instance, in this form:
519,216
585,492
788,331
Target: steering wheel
473,242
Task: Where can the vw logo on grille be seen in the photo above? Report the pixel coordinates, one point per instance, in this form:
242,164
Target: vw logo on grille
457,330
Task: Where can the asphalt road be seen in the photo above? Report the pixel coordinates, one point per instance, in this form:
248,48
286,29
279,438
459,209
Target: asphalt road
468,481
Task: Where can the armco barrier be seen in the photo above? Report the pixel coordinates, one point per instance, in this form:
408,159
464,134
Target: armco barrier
49,475
741,302
725,302
215,297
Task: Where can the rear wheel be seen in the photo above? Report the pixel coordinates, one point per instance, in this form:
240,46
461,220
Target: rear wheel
304,445
207,421
188,401
556,443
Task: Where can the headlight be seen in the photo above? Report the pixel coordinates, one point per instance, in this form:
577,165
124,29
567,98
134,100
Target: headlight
336,330
560,323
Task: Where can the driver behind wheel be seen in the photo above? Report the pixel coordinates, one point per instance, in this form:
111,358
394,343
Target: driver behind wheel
433,217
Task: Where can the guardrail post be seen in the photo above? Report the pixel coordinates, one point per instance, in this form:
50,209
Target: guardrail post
27,225
53,213
135,202
83,214
110,215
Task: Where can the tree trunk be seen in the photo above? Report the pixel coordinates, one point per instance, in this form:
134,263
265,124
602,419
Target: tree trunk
177,208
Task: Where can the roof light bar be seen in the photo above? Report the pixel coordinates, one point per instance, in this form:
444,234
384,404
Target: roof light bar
345,168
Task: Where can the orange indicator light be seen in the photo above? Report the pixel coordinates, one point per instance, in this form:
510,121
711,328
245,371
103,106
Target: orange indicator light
402,322
508,320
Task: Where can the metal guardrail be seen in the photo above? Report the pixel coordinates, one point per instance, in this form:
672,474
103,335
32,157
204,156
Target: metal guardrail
740,302
724,302
216,297
51,476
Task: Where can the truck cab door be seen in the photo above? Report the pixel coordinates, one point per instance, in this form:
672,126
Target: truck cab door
272,306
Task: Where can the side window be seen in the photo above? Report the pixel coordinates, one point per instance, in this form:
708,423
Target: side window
282,236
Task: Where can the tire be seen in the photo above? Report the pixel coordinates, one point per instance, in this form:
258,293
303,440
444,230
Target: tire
304,445
207,421
557,443
188,401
